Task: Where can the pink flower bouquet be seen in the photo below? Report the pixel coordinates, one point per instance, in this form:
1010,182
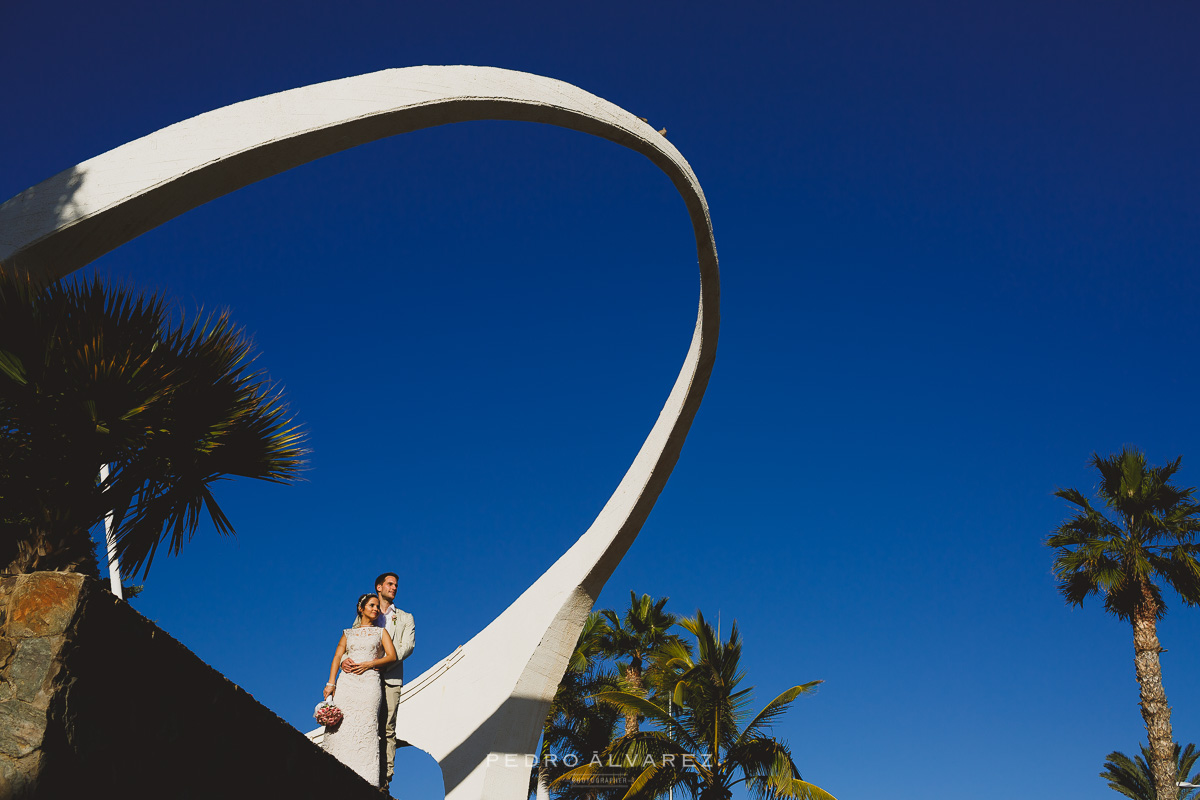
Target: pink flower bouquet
327,714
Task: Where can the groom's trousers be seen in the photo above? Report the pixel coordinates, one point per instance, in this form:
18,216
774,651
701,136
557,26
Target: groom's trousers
392,694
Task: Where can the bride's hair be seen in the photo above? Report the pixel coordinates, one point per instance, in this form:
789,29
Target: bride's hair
362,603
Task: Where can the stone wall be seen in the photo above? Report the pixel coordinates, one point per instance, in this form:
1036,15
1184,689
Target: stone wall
96,701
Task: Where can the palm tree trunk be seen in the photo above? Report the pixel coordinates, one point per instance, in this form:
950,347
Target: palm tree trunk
633,674
1155,710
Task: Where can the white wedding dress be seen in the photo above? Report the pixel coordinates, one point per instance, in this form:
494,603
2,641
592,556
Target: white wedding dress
355,742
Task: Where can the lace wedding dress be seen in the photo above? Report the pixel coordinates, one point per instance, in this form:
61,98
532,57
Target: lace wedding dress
355,742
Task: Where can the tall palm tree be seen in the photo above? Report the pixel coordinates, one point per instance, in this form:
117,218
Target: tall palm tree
1149,539
633,638
711,740
577,726
1132,777
90,375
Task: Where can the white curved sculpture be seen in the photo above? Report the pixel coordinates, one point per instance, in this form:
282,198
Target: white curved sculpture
479,711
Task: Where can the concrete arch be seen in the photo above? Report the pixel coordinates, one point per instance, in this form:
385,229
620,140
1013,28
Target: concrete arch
480,710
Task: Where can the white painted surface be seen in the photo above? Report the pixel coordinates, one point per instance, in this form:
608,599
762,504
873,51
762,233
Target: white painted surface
480,710
110,541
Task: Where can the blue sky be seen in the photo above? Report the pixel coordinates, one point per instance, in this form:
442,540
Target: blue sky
958,248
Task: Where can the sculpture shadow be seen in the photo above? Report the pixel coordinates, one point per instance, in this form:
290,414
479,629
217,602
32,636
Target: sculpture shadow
504,733
22,223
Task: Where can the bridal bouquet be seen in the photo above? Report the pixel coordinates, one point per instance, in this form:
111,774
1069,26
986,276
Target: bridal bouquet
327,714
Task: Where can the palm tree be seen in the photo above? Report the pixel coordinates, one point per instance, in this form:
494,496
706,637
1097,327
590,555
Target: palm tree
92,375
711,740
1132,777
634,638
1150,540
577,727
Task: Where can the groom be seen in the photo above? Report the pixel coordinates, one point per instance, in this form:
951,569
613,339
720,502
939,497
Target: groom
403,630
400,626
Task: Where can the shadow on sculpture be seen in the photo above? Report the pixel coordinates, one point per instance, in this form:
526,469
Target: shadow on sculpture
487,700
39,211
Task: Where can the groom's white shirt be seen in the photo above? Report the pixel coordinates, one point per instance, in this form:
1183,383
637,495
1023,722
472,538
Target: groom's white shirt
403,630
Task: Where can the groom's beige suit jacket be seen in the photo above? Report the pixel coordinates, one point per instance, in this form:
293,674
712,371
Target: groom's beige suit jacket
403,631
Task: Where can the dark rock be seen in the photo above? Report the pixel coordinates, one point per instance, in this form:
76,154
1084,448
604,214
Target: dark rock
43,604
7,585
18,778
21,728
6,651
34,668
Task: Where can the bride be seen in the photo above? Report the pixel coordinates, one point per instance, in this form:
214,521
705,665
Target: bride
355,742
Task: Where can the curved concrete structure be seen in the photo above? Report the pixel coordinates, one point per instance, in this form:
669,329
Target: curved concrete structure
479,711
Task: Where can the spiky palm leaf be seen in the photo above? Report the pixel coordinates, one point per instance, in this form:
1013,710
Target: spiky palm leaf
1132,777
634,637
711,738
1152,539
91,375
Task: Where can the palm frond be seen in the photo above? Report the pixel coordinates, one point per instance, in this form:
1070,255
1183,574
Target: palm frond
100,376
774,709
1152,539
629,701
1132,776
